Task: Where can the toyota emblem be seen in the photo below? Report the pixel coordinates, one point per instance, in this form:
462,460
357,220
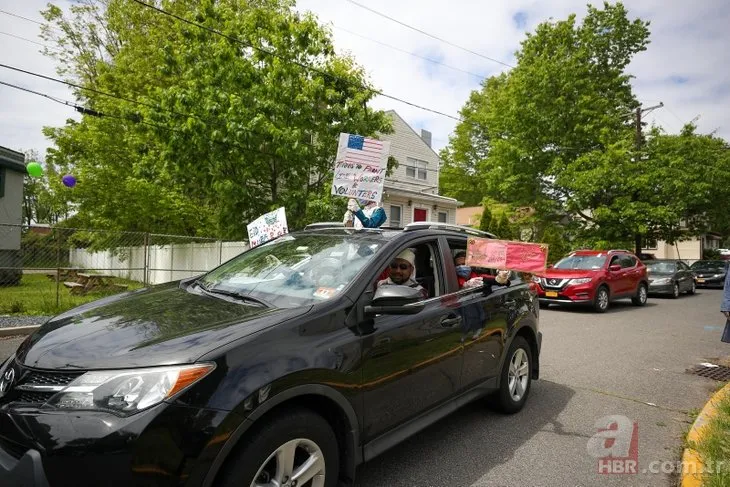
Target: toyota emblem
7,381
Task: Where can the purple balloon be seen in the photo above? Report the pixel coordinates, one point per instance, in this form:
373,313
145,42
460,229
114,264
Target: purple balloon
69,180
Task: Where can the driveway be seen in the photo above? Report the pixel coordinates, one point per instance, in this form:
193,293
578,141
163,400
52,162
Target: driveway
629,361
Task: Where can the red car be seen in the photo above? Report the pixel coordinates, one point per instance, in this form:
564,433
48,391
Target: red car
594,278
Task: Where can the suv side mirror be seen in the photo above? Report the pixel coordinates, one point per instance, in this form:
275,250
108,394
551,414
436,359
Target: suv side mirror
395,300
614,268
549,266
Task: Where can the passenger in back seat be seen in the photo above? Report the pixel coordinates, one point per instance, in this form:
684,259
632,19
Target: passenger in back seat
469,278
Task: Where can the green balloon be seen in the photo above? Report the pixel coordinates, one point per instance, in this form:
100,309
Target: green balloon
35,169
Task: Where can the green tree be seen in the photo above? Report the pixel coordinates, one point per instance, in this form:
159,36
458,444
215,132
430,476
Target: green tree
533,135
219,129
485,221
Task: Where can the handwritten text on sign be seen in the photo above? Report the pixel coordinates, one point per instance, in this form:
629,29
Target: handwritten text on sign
360,167
503,254
267,227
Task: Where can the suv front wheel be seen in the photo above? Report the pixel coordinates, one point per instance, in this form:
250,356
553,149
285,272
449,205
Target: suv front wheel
600,302
295,449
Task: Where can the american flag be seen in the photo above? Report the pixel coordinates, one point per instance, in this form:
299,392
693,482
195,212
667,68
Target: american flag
361,150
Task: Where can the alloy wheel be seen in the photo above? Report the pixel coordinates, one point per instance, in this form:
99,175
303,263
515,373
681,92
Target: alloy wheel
296,463
517,376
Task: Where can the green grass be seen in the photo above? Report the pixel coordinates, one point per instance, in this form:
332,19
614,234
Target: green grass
714,450
36,295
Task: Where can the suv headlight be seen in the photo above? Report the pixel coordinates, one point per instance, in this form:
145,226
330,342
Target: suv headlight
582,280
129,391
536,279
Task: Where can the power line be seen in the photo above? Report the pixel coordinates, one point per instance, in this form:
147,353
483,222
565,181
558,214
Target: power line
291,61
408,52
22,38
429,35
21,17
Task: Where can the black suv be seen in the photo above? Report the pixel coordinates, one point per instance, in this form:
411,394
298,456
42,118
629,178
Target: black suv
284,366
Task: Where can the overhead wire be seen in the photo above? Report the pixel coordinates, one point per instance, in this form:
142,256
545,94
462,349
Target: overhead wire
483,56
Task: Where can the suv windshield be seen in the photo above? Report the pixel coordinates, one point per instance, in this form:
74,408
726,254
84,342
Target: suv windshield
294,270
586,262
661,267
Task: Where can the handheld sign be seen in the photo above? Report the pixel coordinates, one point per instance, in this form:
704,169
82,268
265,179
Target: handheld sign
506,255
267,227
360,167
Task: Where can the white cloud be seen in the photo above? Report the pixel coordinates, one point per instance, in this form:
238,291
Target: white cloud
685,65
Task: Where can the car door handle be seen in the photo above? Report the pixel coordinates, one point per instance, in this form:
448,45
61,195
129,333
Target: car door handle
449,322
510,303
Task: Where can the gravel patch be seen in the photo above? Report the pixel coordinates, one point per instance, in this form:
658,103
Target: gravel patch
14,320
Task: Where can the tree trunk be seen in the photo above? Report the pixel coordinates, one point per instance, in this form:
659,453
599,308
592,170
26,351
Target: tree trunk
637,239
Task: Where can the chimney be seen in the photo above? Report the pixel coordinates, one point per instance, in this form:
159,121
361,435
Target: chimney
426,136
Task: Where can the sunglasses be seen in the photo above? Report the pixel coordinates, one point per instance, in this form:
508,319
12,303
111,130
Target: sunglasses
403,267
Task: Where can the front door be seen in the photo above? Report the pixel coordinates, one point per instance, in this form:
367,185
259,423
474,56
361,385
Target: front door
420,215
411,363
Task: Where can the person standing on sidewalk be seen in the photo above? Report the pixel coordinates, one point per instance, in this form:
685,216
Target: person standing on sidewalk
725,308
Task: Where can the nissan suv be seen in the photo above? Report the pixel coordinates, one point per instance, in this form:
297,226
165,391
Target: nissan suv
594,278
284,366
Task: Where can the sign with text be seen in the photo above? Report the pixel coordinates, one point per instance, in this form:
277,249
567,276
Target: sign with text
506,255
360,167
267,227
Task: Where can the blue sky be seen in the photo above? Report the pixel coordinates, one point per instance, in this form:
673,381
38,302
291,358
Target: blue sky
687,65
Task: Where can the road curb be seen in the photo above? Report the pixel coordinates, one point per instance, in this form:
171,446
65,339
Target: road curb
692,465
7,331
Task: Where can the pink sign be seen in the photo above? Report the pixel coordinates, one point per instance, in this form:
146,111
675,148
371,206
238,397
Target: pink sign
506,255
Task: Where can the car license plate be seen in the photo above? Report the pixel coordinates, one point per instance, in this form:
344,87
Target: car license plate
551,294
700,280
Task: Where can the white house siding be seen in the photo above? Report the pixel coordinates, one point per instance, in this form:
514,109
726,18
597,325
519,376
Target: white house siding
688,250
405,143
400,188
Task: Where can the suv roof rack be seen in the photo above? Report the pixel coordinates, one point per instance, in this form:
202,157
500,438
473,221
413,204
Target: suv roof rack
448,226
324,225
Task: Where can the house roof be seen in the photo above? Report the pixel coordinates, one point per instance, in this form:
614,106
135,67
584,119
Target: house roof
417,134
12,159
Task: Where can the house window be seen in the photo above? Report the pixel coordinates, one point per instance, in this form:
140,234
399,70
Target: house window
443,217
650,244
416,169
396,213
2,182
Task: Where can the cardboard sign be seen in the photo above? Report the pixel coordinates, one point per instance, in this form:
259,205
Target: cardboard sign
506,255
267,227
360,167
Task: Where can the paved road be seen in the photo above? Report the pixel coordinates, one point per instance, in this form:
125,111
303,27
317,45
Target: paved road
592,366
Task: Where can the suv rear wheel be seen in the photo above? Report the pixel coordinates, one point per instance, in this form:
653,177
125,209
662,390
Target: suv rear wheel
600,302
296,449
516,378
641,295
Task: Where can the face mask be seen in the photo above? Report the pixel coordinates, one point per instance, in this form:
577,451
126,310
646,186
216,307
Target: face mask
463,270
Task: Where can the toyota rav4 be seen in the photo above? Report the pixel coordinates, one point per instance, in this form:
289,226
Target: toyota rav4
286,366
594,278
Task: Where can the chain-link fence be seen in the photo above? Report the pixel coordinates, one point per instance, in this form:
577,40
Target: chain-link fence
45,270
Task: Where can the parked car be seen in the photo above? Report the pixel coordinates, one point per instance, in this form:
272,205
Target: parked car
710,273
669,276
595,278
286,365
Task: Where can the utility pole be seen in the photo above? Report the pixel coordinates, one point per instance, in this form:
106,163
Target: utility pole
639,144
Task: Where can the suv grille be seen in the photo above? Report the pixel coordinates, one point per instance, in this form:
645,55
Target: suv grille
32,377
